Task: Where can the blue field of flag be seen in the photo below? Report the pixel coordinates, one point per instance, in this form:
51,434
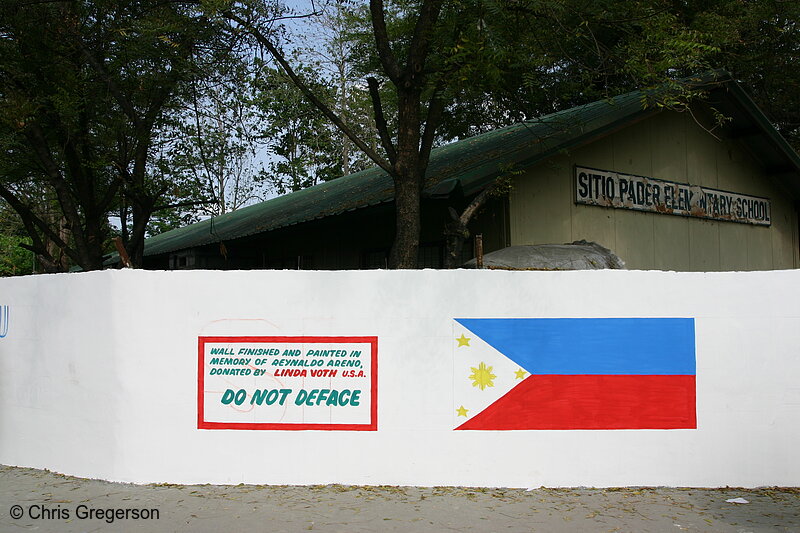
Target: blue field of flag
592,346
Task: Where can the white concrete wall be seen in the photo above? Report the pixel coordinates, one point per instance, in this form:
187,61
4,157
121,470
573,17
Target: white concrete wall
98,377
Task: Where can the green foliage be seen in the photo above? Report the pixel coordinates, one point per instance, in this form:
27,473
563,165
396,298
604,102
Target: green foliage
304,147
766,58
758,42
153,112
302,141
213,155
460,67
15,260
504,61
89,94
504,183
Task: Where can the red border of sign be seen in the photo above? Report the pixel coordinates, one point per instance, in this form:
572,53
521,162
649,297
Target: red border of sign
371,426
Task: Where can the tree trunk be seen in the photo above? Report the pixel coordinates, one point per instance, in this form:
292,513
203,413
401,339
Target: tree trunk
135,246
60,262
455,234
408,177
456,231
407,223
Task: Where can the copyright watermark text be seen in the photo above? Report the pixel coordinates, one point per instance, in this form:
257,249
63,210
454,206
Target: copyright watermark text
82,512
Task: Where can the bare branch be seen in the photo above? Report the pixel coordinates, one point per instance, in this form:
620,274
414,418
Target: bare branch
309,94
119,96
380,120
37,140
183,204
387,58
31,221
111,192
477,202
418,51
435,110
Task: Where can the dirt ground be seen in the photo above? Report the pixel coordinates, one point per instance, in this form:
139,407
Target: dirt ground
52,502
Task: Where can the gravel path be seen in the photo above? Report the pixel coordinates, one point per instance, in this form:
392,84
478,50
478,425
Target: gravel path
53,502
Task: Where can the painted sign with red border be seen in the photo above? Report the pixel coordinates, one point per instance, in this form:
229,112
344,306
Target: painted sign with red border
287,383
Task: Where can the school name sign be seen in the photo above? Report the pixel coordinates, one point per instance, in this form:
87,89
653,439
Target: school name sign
624,191
287,383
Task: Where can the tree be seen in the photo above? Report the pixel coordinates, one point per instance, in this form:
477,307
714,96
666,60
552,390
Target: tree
329,45
215,147
766,58
47,137
406,161
85,87
14,259
434,55
308,148
302,142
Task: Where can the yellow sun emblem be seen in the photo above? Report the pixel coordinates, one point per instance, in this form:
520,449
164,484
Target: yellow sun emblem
482,376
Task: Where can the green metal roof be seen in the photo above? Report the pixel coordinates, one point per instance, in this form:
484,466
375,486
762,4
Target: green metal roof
470,163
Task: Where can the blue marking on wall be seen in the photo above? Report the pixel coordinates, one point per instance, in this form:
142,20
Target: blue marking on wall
4,319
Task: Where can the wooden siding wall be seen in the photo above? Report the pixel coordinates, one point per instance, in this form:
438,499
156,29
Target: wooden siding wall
669,146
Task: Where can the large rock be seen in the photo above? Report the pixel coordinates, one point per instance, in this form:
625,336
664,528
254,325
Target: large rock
579,255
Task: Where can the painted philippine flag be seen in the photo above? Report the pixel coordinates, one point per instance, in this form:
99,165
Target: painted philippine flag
574,373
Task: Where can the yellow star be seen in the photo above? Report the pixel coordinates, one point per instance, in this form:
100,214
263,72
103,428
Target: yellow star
462,411
520,374
463,341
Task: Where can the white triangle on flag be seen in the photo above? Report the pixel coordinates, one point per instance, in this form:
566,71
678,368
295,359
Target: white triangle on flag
481,374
